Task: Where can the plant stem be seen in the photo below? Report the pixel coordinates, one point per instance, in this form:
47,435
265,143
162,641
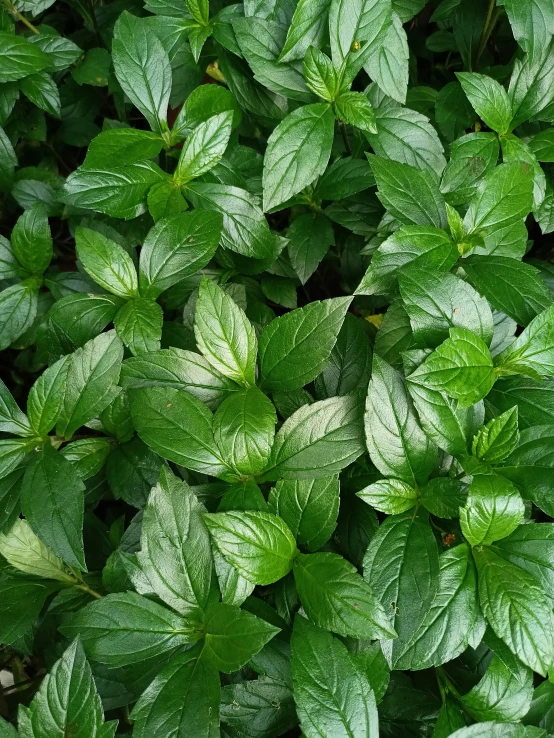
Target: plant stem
490,21
345,138
24,20
90,591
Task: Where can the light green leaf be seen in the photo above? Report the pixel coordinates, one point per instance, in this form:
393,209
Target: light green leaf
258,544
224,334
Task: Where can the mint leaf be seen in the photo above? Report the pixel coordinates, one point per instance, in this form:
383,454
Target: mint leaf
126,628
258,544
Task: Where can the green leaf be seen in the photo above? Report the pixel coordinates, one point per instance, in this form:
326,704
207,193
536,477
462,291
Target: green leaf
91,382
52,500
307,29
355,108
233,636
530,547
183,698
107,263
43,92
504,197
118,191
356,29
178,427
406,136
532,24
139,325
8,161
388,65
179,369
489,100
493,510
12,420
445,421
26,552
142,68
533,350
260,41
244,429
309,239
200,11
437,302
18,310
204,147
176,248
309,507
461,367
516,609
19,58
271,701
295,347
124,145
22,600
32,241
13,452
258,544
498,438
410,195
509,285
175,550
391,496
446,627
335,597
126,628
67,701
343,178
533,398
405,590
224,334
530,87
529,467
332,694
318,440
245,229
297,152
94,68
424,247
471,157
233,586
320,74
397,445
349,365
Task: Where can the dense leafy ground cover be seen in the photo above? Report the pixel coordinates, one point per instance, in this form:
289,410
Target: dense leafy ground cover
277,333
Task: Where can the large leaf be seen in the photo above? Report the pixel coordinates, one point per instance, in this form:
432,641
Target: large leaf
318,439
294,348
332,694
297,152
52,498
175,550
516,609
224,334
397,445
334,596
142,68
178,427
182,699
126,628
402,568
176,248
